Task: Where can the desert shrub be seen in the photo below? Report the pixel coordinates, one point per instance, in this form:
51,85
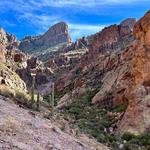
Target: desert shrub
78,71
22,98
128,136
137,142
6,91
16,94
47,99
119,108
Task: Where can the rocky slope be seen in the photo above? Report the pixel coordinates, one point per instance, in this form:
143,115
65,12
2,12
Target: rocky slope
22,130
57,34
118,77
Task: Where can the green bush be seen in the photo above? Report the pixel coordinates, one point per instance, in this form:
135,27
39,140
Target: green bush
128,136
120,108
137,142
78,71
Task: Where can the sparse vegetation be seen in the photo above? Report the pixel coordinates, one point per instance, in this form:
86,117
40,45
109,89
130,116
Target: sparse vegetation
91,119
22,97
48,99
95,121
6,91
136,142
18,95
119,108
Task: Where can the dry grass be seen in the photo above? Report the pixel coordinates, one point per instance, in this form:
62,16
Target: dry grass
6,91
18,95
10,125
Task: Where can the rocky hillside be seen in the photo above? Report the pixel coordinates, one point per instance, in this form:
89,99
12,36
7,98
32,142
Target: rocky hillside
57,34
21,129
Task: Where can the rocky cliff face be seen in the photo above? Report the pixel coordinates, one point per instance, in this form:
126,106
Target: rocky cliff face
3,43
109,40
115,37
7,44
120,76
8,56
136,118
57,34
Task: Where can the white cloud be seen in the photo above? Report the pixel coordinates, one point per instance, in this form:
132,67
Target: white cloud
79,30
41,21
85,27
84,3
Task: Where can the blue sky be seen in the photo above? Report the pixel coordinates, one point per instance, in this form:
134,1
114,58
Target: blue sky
84,17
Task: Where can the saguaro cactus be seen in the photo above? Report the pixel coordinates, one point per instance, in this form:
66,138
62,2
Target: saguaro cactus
53,95
38,102
51,99
33,87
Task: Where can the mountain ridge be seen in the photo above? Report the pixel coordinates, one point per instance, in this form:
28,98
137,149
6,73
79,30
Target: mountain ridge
56,34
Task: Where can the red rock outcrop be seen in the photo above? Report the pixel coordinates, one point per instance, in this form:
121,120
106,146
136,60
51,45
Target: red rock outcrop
114,37
136,118
128,81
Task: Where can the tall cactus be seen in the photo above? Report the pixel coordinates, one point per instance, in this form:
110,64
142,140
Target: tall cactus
51,99
38,102
53,95
33,87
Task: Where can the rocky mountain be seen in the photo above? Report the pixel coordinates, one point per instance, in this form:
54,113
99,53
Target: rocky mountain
57,34
117,77
106,42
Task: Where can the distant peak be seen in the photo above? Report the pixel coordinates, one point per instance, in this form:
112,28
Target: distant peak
130,22
59,24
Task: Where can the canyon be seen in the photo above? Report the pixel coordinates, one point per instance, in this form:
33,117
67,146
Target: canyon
106,74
